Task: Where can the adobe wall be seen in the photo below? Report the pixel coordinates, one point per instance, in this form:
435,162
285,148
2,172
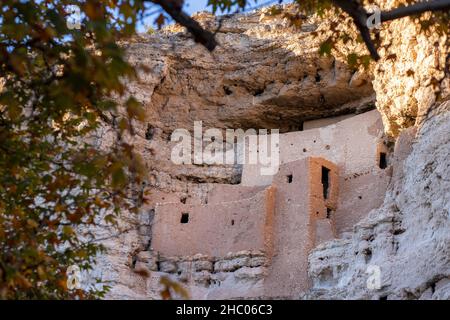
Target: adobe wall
213,258
354,145
360,193
363,191
300,217
322,208
251,240
351,144
226,192
254,247
287,270
319,123
205,193
213,229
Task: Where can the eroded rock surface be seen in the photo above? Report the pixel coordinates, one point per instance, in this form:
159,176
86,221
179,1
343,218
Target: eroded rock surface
264,74
408,238
267,74
413,72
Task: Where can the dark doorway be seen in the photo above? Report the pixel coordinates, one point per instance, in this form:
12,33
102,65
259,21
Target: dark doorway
383,161
325,181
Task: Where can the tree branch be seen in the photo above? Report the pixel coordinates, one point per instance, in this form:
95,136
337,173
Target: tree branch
174,9
417,8
352,7
359,15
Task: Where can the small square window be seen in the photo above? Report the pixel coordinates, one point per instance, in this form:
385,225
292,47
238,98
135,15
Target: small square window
184,218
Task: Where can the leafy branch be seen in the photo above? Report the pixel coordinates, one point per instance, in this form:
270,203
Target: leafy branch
360,16
353,8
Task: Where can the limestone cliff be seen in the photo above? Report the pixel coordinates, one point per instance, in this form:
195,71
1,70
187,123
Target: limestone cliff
268,74
407,238
265,74
413,73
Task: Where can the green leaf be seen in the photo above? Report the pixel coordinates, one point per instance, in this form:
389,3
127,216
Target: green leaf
326,47
134,109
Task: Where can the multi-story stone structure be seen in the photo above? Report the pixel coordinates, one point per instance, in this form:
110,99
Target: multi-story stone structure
253,239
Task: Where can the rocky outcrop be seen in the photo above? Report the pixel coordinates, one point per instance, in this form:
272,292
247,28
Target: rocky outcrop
413,72
408,238
267,74
264,74
205,276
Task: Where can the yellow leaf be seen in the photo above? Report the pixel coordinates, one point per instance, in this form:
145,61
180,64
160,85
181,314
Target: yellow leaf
67,230
175,286
32,223
135,110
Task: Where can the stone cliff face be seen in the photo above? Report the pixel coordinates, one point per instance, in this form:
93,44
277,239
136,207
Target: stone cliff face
407,238
266,74
413,73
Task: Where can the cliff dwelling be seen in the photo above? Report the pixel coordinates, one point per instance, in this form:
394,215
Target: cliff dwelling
291,150
344,197
252,239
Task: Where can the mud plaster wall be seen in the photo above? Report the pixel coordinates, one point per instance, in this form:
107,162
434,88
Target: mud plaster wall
319,123
299,193
359,194
322,207
205,193
355,145
291,217
213,229
223,193
288,212
363,191
351,144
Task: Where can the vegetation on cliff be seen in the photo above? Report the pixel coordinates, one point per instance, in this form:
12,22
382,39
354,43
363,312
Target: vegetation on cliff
59,82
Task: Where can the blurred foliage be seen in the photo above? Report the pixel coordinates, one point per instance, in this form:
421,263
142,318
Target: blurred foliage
57,85
172,289
344,32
